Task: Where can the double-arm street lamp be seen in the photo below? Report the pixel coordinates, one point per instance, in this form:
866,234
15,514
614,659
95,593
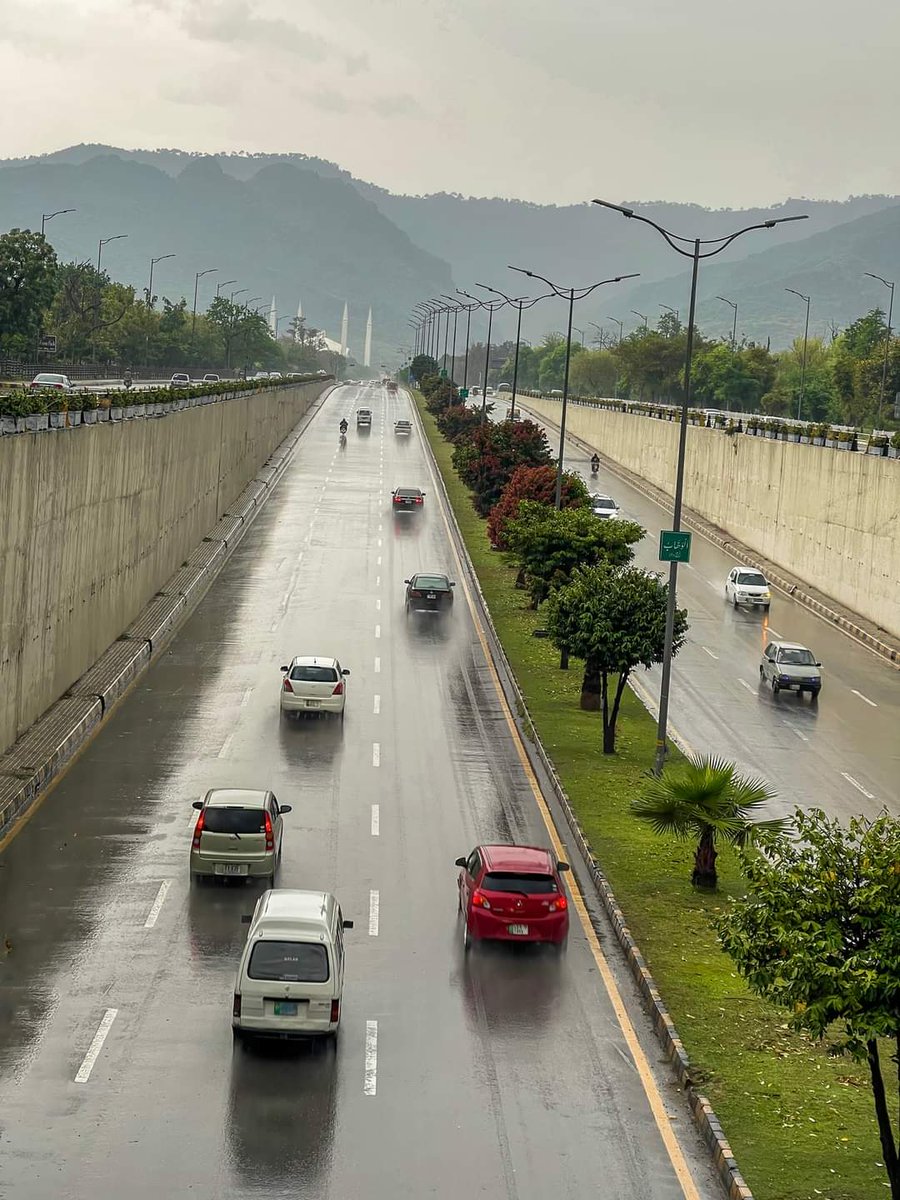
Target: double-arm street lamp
45,217
468,309
425,310
104,241
887,337
153,262
805,299
694,249
199,275
571,294
491,306
456,308
519,303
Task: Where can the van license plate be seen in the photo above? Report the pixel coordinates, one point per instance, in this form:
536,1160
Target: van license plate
231,868
312,703
521,930
285,1008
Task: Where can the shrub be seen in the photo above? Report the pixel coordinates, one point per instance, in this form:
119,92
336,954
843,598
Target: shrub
531,483
485,463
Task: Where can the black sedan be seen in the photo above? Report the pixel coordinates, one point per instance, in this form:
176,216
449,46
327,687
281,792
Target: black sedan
407,499
427,592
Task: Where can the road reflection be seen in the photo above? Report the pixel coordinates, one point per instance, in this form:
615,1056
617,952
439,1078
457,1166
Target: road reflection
510,991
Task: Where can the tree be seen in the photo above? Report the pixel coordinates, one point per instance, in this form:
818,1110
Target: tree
652,364
531,483
28,270
486,462
614,619
707,800
457,422
818,382
422,365
594,373
548,545
818,934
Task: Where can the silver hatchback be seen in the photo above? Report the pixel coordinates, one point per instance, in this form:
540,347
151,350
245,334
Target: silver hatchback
238,835
788,666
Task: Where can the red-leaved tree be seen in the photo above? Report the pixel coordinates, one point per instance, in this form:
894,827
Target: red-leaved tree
485,462
532,483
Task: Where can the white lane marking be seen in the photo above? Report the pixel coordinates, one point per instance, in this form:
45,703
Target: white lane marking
715,586
376,820
378,604
377,665
273,627
379,542
802,736
378,561
87,1064
370,1079
157,904
376,705
373,914
859,787
376,754
744,683
865,698
226,746
245,699
378,631
380,528
378,581
775,634
710,653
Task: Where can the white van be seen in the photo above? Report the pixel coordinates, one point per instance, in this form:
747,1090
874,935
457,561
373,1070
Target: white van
290,979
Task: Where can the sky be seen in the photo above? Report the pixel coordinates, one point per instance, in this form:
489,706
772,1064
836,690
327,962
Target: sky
552,101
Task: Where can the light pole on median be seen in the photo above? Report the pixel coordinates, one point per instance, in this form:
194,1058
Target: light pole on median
456,309
197,277
45,217
468,309
571,294
733,305
699,248
224,283
491,306
519,303
643,318
668,308
887,338
581,333
239,292
620,324
805,344
103,241
153,262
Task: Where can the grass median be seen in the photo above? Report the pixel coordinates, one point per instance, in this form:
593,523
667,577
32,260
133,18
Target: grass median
801,1124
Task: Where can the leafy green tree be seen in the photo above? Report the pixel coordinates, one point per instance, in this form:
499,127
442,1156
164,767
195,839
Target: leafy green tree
552,369
818,934
28,270
532,483
549,545
594,373
614,619
75,309
818,383
422,365
652,365
705,800
732,381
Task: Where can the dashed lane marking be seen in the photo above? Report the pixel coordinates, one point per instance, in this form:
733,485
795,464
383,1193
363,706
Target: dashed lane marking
376,820
157,904
859,787
376,754
374,905
87,1063
864,698
370,1077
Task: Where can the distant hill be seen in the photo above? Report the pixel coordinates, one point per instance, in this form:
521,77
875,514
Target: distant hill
286,231
476,238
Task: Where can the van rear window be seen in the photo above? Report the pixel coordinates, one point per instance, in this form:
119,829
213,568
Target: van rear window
233,820
289,962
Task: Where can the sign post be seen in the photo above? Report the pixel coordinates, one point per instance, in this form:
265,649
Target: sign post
674,546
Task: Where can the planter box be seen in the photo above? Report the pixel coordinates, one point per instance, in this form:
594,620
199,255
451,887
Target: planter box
35,422
804,439
102,414
57,420
139,410
893,451
830,443
880,451
10,424
115,414
89,416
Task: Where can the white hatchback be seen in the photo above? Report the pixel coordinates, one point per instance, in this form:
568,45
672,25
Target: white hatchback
604,507
747,586
313,684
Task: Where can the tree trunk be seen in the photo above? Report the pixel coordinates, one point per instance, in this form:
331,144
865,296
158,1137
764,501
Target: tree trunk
705,874
564,659
886,1133
609,727
520,579
611,717
590,687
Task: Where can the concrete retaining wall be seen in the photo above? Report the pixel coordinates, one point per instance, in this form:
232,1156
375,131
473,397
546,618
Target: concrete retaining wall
96,519
829,517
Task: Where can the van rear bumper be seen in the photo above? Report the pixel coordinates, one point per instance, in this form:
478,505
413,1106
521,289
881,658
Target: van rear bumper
267,1027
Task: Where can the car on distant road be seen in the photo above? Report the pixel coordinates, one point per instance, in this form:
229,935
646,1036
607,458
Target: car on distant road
747,586
512,894
429,591
210,378
313,684
407,500
238,834
555,392
180,380
402,428
364,418
604,507
59,383
788,666
504,387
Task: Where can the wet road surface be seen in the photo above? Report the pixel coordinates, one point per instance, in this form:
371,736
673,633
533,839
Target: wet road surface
841,754
504,1073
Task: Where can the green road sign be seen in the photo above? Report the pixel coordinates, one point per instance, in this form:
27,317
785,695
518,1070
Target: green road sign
463,393
674,547
443,372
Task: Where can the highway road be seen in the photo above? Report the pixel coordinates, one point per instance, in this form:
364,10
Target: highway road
504,1073
841,754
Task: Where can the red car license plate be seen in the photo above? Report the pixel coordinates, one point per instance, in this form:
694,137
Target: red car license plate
519,930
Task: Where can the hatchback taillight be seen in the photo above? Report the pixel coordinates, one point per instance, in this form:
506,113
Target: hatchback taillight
287,685
335,1011
480,900
198,829
560,904
270,836
416,594
338,688
236,1007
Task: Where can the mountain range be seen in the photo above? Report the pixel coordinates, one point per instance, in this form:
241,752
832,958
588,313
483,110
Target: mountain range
304,229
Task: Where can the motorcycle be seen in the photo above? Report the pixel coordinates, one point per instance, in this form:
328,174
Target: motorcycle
595,466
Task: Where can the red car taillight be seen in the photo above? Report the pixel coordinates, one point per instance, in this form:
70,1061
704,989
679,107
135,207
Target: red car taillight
198,829
415,594
287,685
338,688
270,835
335,1011
236,1007
418,499
480,900
560,904
398,500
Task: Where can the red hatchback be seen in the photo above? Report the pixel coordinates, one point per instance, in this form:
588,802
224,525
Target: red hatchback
513,894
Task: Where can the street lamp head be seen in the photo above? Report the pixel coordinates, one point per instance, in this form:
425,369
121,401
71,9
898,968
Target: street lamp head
794,292
626,212
784,220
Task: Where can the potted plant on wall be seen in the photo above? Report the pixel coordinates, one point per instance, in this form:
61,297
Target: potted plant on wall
90,402
894,445
878,444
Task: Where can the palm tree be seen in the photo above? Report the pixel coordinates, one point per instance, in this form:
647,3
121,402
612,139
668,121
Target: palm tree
708,800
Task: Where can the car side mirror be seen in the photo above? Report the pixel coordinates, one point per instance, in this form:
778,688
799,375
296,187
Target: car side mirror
246,918
563,866
345,671
283,668
452,584
406,581
198,804
460,862
424,494
285,808
818,664
347,924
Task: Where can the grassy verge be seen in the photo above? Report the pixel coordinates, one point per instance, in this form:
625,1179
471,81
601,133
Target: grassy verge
801,1124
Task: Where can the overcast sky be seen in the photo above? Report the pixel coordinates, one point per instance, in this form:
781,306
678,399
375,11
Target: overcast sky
556,101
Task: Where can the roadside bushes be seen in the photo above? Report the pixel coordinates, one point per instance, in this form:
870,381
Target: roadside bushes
531,483
486,461
458,422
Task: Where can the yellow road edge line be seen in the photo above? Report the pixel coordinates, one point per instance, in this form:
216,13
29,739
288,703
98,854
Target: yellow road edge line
651,1090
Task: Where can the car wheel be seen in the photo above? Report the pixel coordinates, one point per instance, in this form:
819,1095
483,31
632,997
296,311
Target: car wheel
467,939
776,687
734,602
762,674
237,1035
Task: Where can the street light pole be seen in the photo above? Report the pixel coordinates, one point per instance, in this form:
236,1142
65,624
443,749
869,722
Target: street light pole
695,253
887,338
581,332
491,306
675,311
224,283
805,343
197,277
620,325
45,217
641,315
519,303
572,294
103,241
734,307
153,262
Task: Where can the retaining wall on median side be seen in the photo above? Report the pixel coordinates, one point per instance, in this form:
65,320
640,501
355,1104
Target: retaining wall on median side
95,519
829,518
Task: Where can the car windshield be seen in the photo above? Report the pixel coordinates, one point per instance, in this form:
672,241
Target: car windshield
604,502
438,583
233,820
519,881
289,962
752,579
796,657
48,379
311,674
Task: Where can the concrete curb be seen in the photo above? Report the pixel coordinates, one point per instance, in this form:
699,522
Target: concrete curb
791,587
40,754
702,1112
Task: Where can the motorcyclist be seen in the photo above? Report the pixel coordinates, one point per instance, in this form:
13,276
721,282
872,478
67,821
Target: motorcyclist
127,379
595,464
344,427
